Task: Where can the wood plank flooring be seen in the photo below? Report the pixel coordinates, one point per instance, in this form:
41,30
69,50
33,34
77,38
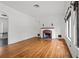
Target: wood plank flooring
36,48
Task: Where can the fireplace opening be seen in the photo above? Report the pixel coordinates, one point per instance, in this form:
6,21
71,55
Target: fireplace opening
47,34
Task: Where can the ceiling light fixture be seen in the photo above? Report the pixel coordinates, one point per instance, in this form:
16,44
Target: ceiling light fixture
36,5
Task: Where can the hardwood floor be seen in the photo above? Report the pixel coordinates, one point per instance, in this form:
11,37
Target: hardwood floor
36,48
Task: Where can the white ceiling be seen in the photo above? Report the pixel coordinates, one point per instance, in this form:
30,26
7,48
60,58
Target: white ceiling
46,9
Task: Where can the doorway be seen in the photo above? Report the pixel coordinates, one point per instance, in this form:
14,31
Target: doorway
3,29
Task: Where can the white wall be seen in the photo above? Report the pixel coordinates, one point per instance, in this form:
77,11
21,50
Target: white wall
57,21
21,26
3,25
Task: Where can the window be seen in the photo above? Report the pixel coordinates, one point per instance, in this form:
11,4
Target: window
69,25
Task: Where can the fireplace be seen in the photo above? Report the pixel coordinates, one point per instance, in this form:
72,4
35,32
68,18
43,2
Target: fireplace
47,34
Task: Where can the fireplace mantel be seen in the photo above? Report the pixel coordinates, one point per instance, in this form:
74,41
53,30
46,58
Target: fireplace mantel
47,28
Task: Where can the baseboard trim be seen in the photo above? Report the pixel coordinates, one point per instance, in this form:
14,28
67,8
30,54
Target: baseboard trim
22,40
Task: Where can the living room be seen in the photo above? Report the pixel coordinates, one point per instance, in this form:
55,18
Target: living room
40,25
